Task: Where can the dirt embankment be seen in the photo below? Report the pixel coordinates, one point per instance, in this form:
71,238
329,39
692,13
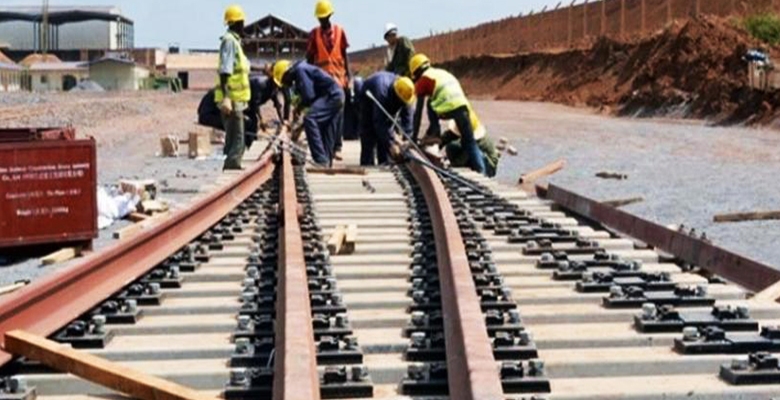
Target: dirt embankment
690,70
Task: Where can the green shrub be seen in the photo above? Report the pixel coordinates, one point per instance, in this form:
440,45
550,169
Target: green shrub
764,27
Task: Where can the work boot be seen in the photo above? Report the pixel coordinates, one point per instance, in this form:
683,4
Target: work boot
337,156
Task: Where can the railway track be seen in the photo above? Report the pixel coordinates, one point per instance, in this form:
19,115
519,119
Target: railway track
454,291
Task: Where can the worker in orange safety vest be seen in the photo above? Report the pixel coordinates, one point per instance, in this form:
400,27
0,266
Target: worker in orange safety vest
327,49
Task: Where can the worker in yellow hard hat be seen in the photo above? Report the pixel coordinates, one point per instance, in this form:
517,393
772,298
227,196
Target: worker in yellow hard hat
446,100
327,49
233,92
394,94
323,99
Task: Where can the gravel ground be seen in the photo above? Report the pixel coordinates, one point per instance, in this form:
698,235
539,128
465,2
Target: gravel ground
687,172
127,127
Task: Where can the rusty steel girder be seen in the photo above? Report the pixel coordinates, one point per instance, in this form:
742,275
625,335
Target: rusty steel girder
471,367
52,302
750,274
295,362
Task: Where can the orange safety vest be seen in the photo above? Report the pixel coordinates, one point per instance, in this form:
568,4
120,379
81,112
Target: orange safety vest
331,61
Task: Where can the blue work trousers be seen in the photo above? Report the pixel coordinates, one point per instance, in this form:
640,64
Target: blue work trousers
321,123
374,135
462,118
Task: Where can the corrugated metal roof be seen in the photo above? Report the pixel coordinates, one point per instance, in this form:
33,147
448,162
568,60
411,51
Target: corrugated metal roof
60,66
191,61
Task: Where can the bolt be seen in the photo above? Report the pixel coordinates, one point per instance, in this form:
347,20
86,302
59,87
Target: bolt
175,272
418,318
564,265
507,293
547,257
17,385
243,345
615,291
336,299
514,316
359,373
690,334
238,377
525,337
531,245
154,288
249,283
587,277
536,367
132,306
244,322
418,339
649,311
743,312
418,296
253,272
701,290
636,265
342,320
248,297
331,283
99,324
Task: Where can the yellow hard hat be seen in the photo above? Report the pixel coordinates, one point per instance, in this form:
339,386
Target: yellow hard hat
323,9
417,62
404,88
234,13
280,68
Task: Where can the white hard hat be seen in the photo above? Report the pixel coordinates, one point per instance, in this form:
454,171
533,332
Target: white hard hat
389,27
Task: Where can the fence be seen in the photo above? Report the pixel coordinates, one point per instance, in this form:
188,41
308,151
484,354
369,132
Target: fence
562,28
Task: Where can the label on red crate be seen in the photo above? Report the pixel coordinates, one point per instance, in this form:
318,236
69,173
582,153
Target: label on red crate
47,192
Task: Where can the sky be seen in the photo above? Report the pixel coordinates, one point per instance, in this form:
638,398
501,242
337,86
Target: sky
198,23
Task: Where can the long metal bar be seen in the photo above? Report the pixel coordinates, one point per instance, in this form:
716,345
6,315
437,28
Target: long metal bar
748,273
53,301
295,362
471,367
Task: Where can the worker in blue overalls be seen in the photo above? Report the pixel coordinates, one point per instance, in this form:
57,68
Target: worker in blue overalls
323,98
393,93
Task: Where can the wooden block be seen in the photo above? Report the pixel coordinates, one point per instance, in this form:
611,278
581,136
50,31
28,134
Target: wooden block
350,239
337,171
748,216
336,240
13,287
200,144
153,206
169,146
136,228
59,256
623,202
138,217
96,370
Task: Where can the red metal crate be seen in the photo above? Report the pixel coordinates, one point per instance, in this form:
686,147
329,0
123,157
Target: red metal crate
35,134
48,192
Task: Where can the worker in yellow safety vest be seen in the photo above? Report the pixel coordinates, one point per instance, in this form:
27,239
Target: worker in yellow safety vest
233,92
446,100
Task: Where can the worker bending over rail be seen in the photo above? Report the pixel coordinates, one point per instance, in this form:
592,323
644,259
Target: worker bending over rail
323,98
327,49
452,142
263,90
446,100
395,94
233,92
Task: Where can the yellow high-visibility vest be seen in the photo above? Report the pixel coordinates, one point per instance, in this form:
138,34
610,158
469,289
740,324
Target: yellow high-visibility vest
237,83
448,94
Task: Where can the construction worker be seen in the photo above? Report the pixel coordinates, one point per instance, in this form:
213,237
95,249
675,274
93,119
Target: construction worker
327,49
233,92
323,98
400,51
263,90
445,101
394,94
451,141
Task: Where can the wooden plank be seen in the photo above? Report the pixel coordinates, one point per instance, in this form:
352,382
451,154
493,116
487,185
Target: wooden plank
543,172
138,217
61,255
350,239
96,369
140,226
337,171
336,240
14,287
154,206
748,216
623,202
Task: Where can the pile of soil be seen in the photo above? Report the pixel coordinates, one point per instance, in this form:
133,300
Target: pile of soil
690,70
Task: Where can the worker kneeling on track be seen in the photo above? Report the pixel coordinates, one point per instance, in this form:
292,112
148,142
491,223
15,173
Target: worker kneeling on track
445,101
233,92
393,93
324,99
263,90
453,146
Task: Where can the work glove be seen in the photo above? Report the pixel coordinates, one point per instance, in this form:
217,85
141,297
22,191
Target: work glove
226,106
398,153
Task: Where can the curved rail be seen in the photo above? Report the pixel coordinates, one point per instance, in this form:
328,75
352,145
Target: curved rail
295,363
471,367
52,302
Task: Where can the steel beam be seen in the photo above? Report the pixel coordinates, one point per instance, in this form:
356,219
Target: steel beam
295,362
471,368
52,302
741,270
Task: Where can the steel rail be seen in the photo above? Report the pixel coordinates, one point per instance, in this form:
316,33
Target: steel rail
472,370
295,360
47,305
741,270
